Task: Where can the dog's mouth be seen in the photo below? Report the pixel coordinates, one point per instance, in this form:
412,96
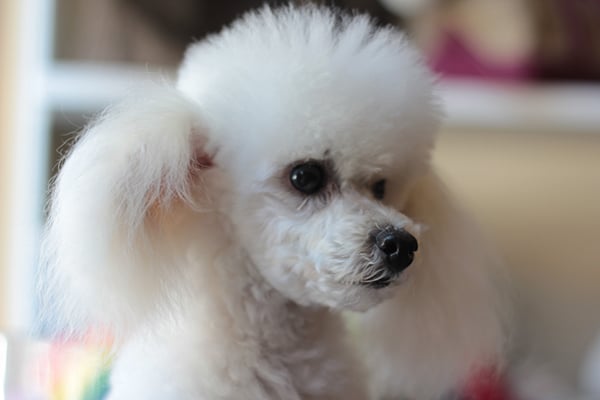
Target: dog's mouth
382,279
380,283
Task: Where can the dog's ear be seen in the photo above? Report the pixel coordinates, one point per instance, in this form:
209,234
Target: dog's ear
449,318
118,205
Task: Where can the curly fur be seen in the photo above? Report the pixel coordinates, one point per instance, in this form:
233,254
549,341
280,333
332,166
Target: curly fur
173,223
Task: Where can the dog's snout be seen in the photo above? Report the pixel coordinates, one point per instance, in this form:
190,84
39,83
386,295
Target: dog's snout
398,247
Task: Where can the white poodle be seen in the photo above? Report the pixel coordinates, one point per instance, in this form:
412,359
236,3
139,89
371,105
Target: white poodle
219,227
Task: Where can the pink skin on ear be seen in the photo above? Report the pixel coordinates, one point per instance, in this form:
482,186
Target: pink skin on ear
200,159
199,162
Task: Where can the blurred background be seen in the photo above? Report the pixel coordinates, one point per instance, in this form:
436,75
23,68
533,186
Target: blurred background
520,146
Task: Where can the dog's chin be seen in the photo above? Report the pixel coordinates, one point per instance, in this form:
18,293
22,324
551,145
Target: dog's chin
368,294
379,283
382,279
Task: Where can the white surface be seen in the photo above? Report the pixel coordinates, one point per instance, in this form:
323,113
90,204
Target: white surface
557,107
88,88
29,167
85,88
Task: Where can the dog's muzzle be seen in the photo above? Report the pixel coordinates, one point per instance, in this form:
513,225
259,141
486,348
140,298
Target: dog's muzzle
396,249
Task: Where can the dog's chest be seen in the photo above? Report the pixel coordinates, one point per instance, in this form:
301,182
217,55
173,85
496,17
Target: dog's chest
301,352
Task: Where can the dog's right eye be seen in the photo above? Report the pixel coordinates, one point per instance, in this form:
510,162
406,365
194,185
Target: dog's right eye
378,189
308,178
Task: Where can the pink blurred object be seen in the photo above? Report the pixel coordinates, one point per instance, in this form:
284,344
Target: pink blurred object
512,39
487,384
453,58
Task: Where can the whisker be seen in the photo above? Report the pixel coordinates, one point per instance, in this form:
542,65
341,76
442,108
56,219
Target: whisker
303,204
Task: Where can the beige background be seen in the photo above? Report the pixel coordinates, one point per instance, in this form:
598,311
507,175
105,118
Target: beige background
537,195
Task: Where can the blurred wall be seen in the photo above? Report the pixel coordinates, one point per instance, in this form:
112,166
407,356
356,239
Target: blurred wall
8,51
537,194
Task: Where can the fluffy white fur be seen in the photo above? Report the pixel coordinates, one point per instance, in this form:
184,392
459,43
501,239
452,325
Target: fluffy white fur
173,223
449,321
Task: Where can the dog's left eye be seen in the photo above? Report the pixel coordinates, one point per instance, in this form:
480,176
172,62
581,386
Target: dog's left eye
308,178
378,189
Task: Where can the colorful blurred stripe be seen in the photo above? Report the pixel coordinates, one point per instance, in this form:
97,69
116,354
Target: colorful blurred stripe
73,370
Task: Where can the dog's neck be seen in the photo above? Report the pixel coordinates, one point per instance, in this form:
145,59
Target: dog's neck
275,320
299,342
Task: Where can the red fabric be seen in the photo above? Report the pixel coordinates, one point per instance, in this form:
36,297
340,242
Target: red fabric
487,385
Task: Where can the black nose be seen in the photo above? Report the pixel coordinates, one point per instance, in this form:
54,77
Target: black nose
397,246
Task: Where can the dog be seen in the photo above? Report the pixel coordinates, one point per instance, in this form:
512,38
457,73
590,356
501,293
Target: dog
220,226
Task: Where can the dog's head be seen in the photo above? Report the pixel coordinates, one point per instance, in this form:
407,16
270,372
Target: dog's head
322,122
302,129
